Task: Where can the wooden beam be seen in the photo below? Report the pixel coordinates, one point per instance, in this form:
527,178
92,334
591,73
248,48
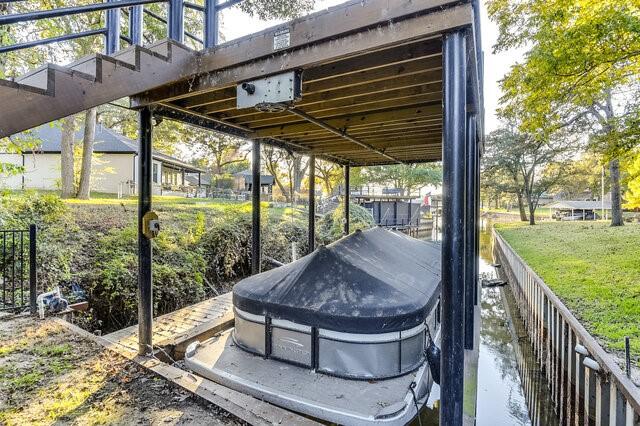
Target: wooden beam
360,63
417,143
413,75
223,67
323,102
342,133
346,122
372,135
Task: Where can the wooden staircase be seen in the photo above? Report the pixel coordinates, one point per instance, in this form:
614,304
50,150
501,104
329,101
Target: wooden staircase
52,92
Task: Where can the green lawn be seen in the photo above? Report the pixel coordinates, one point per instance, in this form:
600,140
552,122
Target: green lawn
594,268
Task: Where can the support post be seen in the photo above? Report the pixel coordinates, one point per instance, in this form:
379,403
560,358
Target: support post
312,203
210,23
347,196
470,233
112,44
477,223
453,154
33,265
145,282
255,212
136,25
176,20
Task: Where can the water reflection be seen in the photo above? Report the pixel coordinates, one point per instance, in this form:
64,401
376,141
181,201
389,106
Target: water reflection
511,386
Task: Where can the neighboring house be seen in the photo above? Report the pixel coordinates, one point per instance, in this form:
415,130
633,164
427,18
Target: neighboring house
114,166
243,181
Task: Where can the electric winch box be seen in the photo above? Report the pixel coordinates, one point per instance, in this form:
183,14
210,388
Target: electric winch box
283,88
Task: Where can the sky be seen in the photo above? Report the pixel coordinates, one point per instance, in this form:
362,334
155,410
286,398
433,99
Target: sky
236,24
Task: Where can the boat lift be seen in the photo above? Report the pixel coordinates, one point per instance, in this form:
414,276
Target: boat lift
374,82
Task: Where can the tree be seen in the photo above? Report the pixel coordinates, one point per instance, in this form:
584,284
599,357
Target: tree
219,152
329,174
406,178
84,188
632,195
273,158
501,165
580,71
66,156
533,166
586,178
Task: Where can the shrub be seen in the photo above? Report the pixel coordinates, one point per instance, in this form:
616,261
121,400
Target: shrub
57,232
112,284
330,227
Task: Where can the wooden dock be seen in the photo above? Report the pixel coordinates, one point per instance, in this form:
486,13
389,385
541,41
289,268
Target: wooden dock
245,407
174,331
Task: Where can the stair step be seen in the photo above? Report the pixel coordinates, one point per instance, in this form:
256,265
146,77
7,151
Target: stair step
168,48
161,47
40,78
52,91
130,55
89,65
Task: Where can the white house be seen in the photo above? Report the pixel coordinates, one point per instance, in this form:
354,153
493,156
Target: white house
114,166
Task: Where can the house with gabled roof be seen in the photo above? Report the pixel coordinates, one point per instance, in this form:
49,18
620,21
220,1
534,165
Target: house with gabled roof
114,167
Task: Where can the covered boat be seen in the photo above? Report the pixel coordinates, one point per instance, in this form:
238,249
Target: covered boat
355,308
364,307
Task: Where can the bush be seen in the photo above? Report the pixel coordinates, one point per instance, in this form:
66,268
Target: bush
57,232
112,284
331,227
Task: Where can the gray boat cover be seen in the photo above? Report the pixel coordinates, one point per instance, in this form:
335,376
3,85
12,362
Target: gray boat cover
371,281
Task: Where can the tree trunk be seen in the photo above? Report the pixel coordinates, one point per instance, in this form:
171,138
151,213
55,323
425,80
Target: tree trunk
616,206
84,189
532,210
66,156
523,213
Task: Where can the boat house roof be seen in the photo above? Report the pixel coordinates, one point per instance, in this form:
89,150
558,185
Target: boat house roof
580,205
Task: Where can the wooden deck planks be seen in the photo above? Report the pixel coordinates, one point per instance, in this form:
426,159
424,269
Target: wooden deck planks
174,331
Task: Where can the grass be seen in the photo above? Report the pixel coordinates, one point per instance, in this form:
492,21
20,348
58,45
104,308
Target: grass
51,376
594,268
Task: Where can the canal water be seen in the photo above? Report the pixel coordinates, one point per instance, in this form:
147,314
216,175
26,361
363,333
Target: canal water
506,360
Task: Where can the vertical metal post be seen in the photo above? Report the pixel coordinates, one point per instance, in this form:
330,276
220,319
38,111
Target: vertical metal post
255,203
476,219
470,231
347,196
136,25
312,203
210,23
176,20
453,250
145,283
395,213
33,276
112,44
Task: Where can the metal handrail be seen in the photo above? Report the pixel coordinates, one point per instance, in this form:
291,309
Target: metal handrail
28,44
112,30
73,10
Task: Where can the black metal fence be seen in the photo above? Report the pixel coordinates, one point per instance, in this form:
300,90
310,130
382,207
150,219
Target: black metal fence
18,280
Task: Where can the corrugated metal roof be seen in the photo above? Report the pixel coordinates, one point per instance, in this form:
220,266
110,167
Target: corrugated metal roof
579,205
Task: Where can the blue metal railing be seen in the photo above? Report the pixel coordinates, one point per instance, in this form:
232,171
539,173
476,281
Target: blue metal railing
113,8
